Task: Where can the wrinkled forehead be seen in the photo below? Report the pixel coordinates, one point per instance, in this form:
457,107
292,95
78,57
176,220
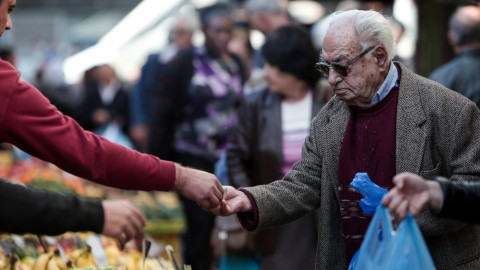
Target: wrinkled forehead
340,43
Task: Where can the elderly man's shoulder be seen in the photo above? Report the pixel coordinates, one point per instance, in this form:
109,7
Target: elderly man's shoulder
430,91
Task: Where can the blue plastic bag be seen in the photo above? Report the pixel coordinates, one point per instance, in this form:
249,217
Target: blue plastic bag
384,248
372,192
379,233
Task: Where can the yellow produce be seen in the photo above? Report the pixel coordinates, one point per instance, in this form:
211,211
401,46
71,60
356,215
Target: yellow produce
56,262
83,258
27,263
112,253
42,261
3,262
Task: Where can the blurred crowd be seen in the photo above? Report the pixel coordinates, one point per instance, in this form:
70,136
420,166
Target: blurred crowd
184,107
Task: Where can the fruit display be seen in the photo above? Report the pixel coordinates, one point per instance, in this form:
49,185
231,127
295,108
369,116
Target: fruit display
163,211
78,256
43,175
165,223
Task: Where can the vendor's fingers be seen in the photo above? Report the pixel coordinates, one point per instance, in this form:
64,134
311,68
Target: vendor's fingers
121,241
395,202
399,179
205,204
218,190
136,225
213,201
224,209
402,208
138,219
129,231
387,199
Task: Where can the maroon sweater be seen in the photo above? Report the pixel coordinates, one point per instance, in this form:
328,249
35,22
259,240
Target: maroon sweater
368,146
29,121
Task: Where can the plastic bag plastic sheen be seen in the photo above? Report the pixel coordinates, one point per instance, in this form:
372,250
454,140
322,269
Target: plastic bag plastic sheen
372,192
384,248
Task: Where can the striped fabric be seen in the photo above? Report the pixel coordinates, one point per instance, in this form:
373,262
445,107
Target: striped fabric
295,126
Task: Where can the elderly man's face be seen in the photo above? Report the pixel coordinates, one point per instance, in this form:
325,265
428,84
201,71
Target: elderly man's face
364,76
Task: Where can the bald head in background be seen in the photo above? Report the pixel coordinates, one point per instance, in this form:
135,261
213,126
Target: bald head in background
461,73
464,28
266,15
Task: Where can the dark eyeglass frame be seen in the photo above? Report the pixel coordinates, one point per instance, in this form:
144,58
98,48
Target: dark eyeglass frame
341,69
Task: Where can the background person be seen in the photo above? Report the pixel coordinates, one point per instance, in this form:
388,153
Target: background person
179,39
460,74
267,141
264,16
383,120
193,105
104,101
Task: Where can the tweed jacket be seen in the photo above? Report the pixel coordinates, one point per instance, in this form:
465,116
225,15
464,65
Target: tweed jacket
437,134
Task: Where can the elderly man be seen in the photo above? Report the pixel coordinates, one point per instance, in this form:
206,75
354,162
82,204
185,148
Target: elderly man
383,120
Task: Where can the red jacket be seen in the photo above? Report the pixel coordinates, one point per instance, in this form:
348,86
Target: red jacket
30,122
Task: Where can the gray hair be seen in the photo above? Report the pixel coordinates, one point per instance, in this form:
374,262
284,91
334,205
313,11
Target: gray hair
465,28
270,6
372,28
190,18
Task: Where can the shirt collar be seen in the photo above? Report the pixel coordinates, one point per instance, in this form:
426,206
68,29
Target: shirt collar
388,84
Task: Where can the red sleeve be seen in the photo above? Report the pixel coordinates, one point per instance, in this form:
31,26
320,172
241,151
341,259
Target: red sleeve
30,122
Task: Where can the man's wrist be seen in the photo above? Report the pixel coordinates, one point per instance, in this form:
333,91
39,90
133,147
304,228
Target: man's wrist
179,181
436,196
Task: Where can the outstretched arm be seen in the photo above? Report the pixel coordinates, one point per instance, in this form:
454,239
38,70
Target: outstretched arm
199,186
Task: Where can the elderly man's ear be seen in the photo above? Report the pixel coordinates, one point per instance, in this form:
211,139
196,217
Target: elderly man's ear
380,54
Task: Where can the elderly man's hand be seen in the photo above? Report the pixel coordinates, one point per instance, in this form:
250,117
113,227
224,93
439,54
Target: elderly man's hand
234,201
199,186
122,221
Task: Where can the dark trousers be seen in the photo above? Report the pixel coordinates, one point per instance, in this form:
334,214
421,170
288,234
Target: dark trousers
197,250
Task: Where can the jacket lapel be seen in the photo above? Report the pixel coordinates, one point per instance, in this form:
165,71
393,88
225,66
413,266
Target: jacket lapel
410,131
335,129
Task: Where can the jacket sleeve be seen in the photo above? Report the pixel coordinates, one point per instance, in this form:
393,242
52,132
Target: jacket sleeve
28,210
29,121
461,201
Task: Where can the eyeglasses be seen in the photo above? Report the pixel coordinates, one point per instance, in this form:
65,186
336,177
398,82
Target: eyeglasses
341,69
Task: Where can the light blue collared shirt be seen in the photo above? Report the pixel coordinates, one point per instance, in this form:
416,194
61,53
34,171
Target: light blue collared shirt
388,84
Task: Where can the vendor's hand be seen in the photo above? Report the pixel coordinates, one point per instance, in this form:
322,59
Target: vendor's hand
199,186
235,201
122,221
412,193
